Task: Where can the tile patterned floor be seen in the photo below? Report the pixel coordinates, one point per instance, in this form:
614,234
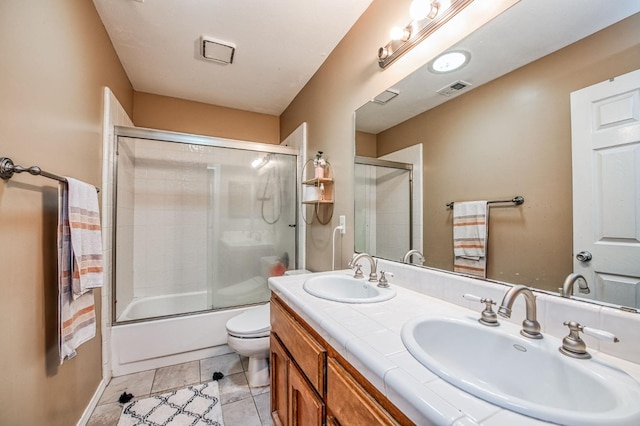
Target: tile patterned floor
242,405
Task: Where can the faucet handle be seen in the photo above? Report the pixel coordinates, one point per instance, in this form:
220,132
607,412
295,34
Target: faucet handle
382,281
600,334
358,271
488,317
574,346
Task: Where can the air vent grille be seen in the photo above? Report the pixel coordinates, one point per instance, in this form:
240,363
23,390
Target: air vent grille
453,88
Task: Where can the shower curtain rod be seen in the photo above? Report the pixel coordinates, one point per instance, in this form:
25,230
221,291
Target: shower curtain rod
7,169
517,200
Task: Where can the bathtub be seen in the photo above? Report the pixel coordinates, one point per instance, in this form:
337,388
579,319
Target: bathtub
157,343
165,305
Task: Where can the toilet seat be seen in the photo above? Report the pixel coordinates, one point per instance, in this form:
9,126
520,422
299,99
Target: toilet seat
253,323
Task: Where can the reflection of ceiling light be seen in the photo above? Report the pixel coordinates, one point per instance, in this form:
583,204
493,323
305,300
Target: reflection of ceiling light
450,61
261,162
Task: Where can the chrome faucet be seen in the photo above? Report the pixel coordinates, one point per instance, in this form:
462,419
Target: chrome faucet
373,276
530,326
407,257
567,287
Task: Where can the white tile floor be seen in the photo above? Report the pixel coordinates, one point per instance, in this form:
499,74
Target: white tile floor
242,405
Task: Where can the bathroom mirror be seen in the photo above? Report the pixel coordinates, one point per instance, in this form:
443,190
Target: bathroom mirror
502,129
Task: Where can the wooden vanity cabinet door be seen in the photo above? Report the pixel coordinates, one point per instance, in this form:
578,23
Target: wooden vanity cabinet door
306,352
279,364
349,403
305,407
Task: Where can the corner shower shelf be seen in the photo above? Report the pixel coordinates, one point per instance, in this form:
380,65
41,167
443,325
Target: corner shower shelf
321,206
328,190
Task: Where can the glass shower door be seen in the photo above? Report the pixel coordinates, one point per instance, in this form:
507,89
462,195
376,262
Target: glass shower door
200,227
383,208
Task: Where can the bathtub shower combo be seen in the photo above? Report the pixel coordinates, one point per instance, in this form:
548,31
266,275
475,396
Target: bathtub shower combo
199,225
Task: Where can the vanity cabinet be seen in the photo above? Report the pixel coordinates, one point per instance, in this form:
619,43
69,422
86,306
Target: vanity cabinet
312,384
298,364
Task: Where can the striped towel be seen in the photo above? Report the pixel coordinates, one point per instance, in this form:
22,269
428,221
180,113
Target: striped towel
86,236
76,313
470,224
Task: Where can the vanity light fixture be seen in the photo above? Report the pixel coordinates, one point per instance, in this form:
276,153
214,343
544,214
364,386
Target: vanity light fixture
426,17
449,61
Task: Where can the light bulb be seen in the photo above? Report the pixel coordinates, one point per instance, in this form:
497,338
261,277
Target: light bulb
419,9
399,33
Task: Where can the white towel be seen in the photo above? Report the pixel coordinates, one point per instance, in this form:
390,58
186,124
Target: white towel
86,236
470,224
76,313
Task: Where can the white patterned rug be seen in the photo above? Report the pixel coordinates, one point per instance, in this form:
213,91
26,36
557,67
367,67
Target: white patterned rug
196,405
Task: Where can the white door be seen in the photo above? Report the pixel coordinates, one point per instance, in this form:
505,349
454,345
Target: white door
605,127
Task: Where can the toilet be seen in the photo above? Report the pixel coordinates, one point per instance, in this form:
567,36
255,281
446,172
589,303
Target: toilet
248,335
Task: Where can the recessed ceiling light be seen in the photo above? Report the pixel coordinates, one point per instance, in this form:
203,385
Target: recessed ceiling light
450,61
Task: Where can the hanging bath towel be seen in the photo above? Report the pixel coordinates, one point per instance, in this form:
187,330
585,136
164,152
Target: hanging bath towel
86,236
76,312
470,230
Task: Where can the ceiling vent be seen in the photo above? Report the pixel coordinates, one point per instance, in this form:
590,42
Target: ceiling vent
453,88
385,96
218,51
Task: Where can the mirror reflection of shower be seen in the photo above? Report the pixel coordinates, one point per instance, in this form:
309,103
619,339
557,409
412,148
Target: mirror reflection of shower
271,195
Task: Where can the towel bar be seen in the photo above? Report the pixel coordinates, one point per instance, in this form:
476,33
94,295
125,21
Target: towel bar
517,200
8,168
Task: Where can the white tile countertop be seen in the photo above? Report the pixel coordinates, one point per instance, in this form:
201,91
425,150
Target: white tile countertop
368,336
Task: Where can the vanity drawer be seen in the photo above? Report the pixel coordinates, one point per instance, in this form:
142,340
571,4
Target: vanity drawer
308,354
349,403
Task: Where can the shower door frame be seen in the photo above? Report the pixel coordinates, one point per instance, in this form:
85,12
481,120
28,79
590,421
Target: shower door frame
376,162
186,138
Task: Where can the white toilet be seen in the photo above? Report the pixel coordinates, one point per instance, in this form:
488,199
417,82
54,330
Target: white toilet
248,335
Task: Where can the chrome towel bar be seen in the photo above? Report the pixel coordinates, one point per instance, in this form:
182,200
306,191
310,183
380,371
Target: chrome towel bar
8,168
517,200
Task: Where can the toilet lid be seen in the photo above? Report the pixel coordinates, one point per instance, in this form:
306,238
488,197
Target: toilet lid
254,322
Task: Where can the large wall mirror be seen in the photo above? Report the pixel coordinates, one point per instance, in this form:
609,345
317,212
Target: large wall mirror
503,129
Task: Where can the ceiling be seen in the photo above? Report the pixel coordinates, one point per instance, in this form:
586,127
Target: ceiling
528,30
280,44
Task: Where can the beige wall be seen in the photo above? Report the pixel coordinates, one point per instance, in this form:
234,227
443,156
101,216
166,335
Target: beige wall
513,137
56,59
350,77
178,115
366,144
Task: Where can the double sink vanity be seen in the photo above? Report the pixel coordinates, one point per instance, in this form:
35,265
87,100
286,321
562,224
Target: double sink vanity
424,350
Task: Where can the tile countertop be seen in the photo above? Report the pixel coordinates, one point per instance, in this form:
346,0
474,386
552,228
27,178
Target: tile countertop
368,336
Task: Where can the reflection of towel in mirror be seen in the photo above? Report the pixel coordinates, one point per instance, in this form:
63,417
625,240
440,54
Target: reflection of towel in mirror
470,225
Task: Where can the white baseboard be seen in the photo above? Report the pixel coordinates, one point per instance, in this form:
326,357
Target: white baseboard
93,403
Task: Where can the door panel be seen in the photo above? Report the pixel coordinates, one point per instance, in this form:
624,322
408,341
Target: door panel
605,124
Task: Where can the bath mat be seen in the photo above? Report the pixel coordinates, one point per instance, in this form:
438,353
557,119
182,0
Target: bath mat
195,405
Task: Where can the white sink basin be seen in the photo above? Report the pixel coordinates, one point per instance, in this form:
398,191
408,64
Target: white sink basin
527,376
346,289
